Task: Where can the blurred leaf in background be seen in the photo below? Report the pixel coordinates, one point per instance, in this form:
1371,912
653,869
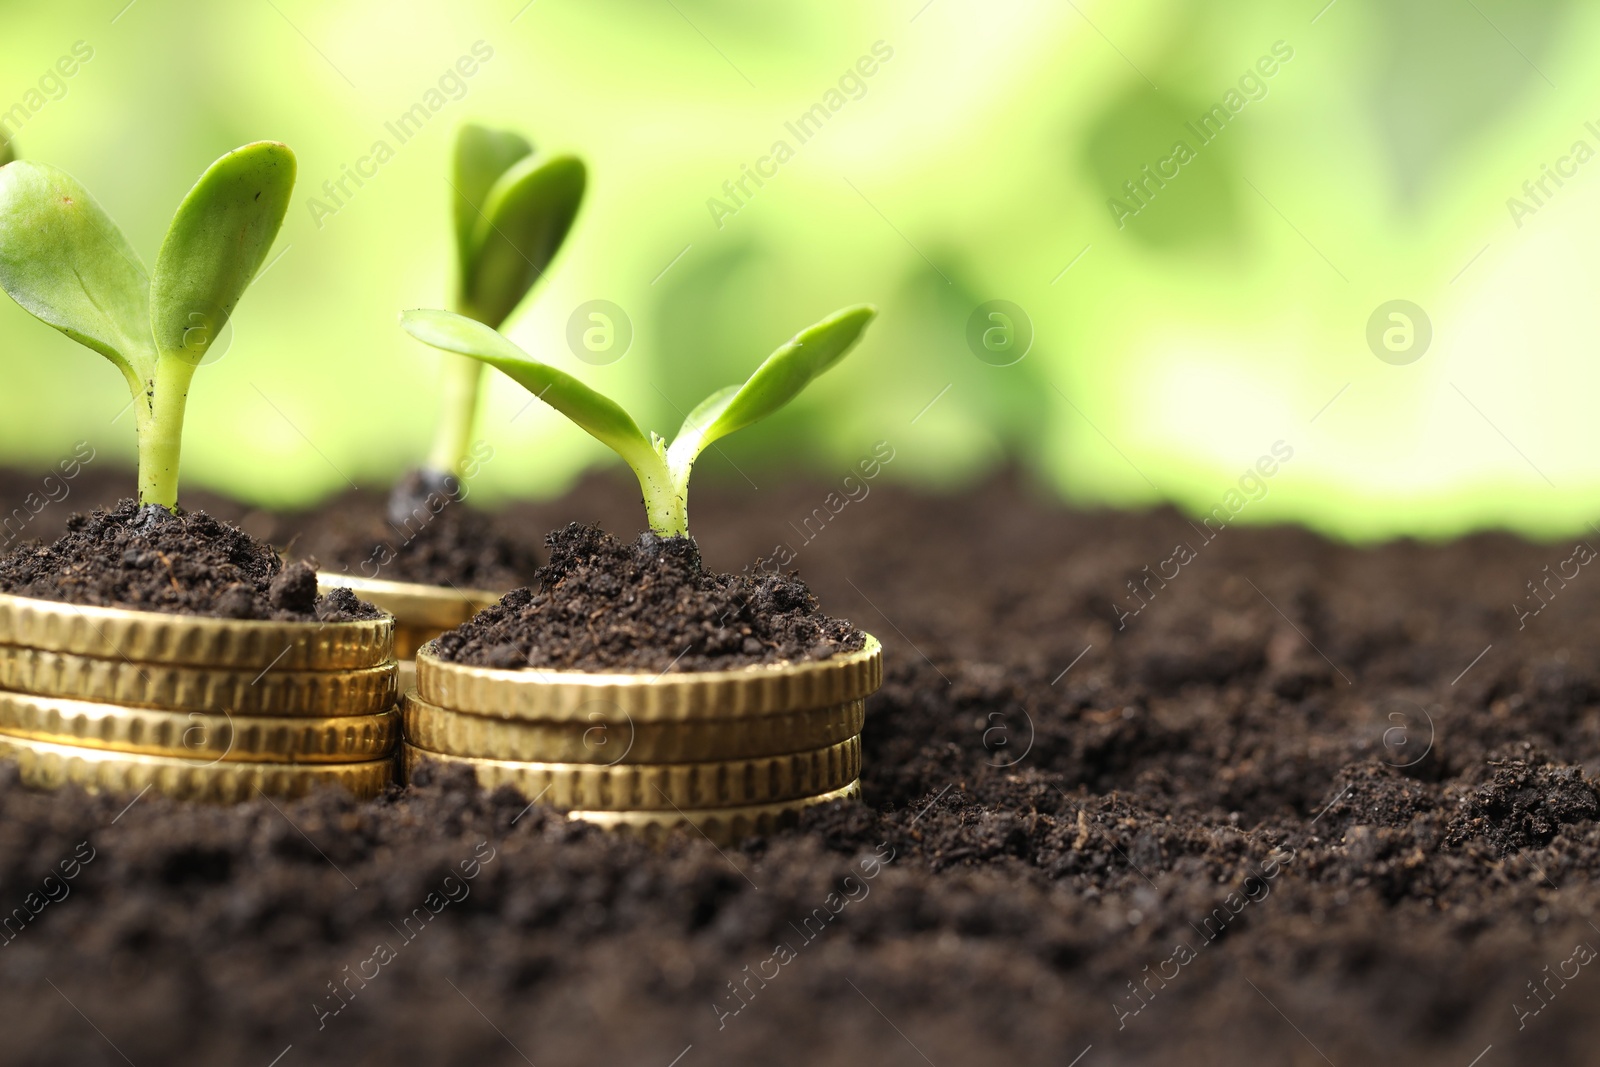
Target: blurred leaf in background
1447,72
1161,182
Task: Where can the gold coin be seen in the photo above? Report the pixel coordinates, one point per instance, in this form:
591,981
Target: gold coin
50,766
723,826
196,736
272,691
608,737
567,696
435,607
191,640
662,786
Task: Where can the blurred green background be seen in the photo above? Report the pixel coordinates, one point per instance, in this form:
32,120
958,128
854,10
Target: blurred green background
1171,346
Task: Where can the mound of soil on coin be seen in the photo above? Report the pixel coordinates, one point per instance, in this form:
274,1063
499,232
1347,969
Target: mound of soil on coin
150,559
423,533
648,606
1303,803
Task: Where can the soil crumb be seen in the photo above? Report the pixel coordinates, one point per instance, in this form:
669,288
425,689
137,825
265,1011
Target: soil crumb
1525,804
424,533
648,606
150,559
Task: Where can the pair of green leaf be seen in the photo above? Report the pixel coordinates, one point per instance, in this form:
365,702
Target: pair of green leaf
663,470
67,263
513,210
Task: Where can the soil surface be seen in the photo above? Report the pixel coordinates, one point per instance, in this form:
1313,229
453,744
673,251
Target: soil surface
1311,804
647,606
423,532
189,563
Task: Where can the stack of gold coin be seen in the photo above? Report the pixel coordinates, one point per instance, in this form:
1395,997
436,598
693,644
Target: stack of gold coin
195,708
729,753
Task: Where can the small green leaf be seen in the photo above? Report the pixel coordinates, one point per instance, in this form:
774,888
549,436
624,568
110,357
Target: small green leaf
69,265
706,412
602,417
776,382
7,151
525,218
482,156
216,244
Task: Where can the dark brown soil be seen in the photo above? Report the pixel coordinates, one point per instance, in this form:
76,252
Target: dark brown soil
1313,804
647,606
424,532
188,563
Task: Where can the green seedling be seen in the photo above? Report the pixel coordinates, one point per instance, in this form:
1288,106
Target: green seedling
67,263
662,468
512,210
7,152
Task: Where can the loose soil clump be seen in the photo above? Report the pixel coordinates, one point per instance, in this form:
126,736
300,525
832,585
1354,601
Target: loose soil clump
423,533
150,559
649,606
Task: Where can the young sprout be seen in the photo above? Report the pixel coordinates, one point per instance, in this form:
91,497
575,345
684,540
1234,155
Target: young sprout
7,152
662,469
67,263
512,212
